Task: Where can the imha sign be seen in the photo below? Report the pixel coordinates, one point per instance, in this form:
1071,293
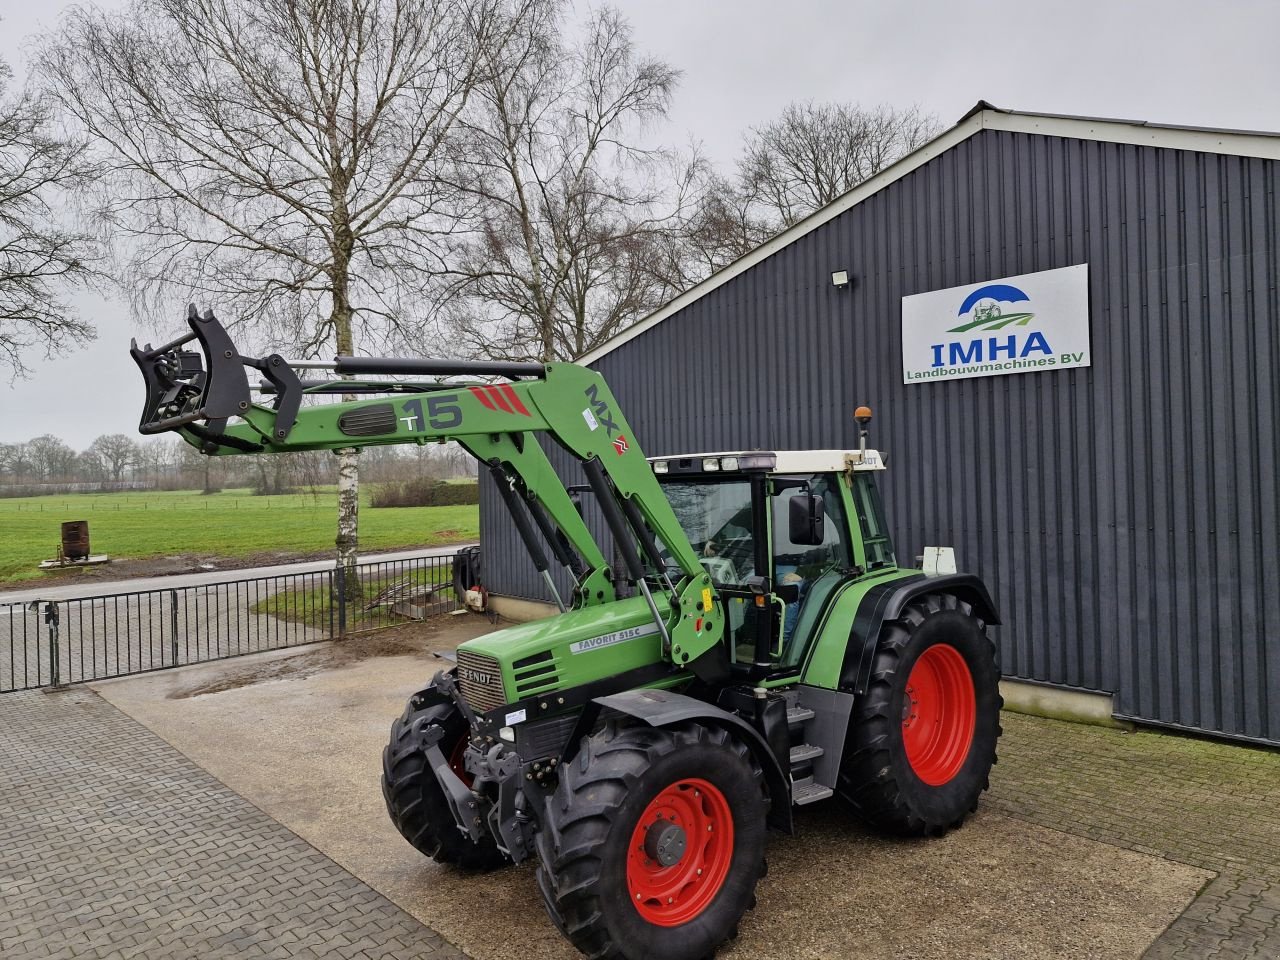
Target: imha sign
1037,321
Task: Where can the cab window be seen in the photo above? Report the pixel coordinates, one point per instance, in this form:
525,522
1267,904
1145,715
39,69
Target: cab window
716,517
875,532
812,570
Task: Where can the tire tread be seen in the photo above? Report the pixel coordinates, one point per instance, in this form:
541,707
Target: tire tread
867,779
408,788
582,811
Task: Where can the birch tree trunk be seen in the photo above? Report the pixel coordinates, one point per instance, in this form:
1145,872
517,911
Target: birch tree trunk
348,539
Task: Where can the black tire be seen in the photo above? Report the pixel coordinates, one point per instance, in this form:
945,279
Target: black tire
584,840
414,798
876,775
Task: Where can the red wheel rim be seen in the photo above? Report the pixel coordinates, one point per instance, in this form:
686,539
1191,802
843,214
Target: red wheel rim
456,763
672,894
939,711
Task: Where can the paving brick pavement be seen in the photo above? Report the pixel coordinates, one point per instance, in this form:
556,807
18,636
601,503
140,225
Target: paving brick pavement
114,845
1208,804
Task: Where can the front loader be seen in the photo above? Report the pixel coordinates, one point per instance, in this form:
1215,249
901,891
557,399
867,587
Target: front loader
755,646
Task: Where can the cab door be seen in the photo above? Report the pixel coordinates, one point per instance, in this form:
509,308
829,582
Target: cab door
807,568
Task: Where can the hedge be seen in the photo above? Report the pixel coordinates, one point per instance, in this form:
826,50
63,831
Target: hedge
425,492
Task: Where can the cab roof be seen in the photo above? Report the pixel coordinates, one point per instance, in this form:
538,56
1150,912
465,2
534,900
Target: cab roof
784,461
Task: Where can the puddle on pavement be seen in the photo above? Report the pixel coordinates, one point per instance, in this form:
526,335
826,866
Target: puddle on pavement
396,642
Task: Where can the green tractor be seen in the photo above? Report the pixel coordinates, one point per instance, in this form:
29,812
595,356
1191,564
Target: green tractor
755,646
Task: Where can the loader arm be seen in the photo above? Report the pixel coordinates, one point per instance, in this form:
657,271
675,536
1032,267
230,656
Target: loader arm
212,406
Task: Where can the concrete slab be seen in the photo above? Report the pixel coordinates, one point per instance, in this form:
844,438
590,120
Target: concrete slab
301,737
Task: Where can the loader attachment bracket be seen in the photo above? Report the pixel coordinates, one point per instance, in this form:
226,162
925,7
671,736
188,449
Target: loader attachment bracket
201,390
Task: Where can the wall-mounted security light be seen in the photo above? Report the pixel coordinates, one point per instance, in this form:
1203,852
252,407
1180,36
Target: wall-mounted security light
840,279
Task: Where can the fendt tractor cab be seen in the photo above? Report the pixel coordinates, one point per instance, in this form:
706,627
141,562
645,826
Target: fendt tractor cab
756,646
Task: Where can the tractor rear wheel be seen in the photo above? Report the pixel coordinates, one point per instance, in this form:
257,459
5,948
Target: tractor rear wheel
653,842
922,741
414,798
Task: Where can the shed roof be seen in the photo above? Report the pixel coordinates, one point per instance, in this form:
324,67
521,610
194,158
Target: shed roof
983,116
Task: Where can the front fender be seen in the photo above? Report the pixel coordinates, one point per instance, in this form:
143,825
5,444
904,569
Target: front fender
664,708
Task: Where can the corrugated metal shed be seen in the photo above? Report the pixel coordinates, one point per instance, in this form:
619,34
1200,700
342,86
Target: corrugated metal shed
1125,514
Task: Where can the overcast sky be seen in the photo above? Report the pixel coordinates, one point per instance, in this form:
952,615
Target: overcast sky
1210,64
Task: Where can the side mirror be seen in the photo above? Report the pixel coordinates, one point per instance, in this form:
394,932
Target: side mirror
807,520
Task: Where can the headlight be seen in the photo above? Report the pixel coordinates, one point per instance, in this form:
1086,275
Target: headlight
729,463
659,466
710,464
757,461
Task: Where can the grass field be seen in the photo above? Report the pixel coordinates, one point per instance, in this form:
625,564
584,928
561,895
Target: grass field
231,524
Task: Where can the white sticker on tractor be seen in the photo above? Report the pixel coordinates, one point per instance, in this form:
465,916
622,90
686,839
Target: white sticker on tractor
609,639
590,417
514,718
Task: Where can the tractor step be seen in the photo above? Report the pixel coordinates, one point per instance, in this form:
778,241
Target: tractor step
804,752
809,792
797,715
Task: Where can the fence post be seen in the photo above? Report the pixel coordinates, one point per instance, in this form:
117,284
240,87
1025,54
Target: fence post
329,574
340,575
173,625
51,619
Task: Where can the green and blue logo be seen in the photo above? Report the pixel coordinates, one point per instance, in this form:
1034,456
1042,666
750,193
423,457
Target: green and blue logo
986,309
987,312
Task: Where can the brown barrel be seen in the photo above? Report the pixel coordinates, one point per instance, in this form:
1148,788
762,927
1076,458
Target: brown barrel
75,539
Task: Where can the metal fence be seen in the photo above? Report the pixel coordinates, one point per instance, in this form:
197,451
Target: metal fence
54,642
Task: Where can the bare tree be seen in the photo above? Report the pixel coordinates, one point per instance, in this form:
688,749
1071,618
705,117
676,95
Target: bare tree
15,461
40,257
564,207
115,451
277,157
196,469
89,467
816,152
51,458
152,460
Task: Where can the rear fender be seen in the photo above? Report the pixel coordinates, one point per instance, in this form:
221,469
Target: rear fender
886,602
663,708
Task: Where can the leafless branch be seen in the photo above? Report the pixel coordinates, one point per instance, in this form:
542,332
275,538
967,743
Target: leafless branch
277,158
816,152
41,258
565,209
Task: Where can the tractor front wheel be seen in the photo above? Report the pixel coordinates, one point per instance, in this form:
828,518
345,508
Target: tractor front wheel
653,842
922,741
414,798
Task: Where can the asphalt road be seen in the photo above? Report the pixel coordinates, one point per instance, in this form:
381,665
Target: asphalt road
101,588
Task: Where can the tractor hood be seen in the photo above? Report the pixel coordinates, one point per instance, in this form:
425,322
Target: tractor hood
568,650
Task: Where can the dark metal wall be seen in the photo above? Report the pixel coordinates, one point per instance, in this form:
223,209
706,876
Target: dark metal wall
1124,514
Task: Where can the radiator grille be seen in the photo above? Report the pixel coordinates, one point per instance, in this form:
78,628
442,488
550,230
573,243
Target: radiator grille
480,680
535,674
